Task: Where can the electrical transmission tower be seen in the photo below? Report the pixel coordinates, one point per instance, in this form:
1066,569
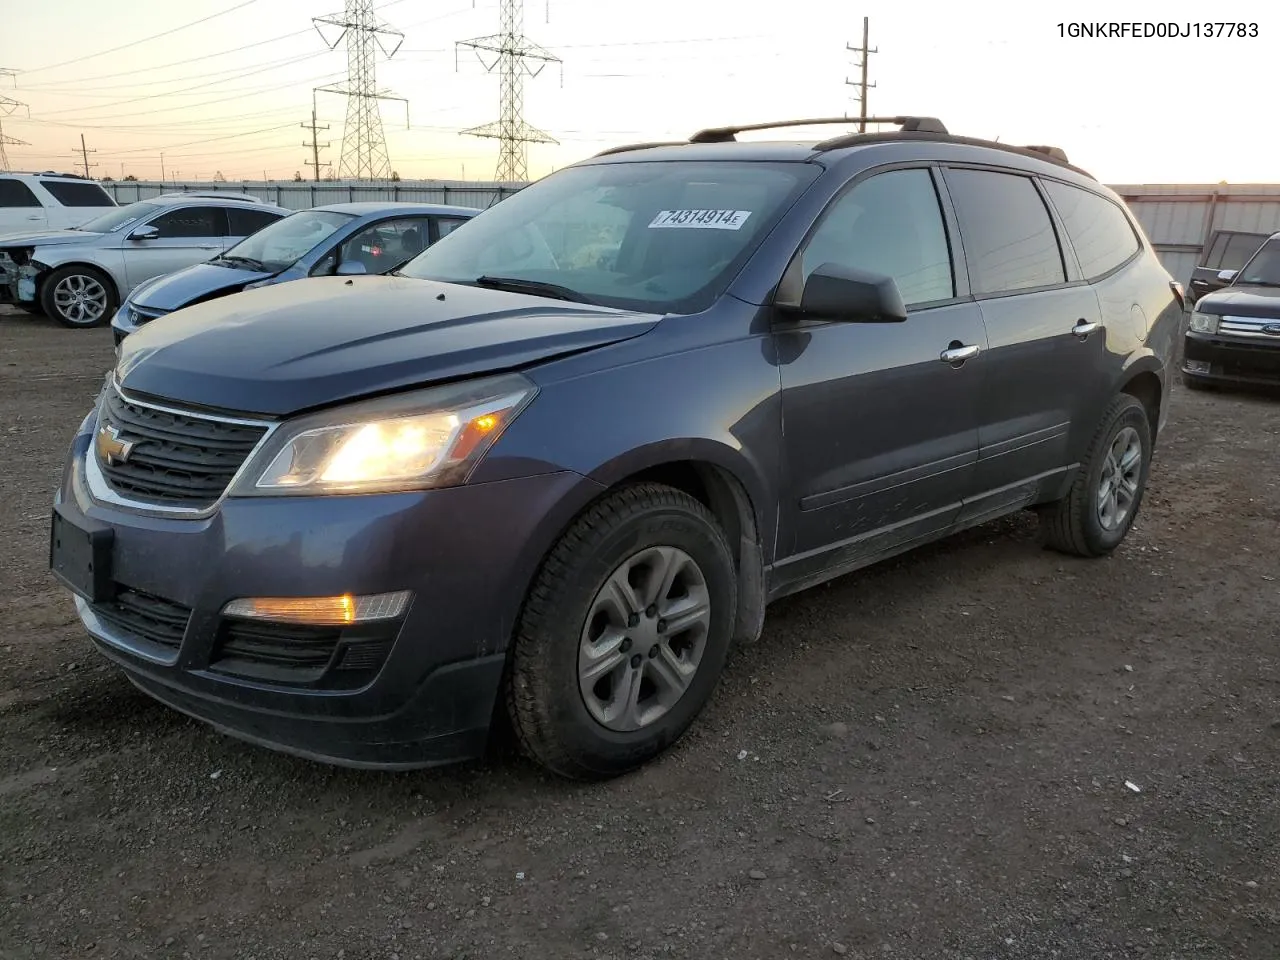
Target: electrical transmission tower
315,144
516,55
8,107
862,84
364,149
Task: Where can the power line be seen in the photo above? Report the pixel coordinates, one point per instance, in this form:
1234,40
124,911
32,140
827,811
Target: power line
364,148
134,43
862,84
515,52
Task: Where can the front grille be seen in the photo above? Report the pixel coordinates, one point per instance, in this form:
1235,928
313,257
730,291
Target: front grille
144,616
177,459
142,315
1249,327
328,657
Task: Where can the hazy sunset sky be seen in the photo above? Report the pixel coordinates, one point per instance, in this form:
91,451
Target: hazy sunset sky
229,94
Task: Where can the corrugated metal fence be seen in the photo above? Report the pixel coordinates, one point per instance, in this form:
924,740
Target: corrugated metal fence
1180,219
297,195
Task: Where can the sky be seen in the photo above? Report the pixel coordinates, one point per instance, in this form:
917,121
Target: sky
230,93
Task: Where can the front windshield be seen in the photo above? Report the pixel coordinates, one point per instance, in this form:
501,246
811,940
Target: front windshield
119,218
279,245
1263,269
653,236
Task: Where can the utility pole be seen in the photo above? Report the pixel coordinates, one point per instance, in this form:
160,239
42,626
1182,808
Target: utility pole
516,55
862,84
162,177
84,156
315,144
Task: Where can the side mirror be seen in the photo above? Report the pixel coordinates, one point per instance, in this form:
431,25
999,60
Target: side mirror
1226,276
350,268
837,292
144,233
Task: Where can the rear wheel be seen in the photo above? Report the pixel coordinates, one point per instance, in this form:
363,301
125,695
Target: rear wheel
1104,499
78,296
624,633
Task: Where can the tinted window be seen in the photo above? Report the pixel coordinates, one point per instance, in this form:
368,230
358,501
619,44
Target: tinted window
640,235
447,225
1097,228
191,222
247,222
1240,248
1008,236
889,224
78,194
1263,268
386,244
15,193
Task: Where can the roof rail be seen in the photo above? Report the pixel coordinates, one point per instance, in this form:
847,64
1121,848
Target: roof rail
213,195
640,146
1056,152
726,134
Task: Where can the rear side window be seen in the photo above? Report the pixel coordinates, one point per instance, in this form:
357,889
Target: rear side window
15,193
1008,235
1096,227
245,223
78,194
890,224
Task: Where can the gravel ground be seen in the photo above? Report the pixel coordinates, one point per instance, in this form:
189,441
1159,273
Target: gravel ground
928,759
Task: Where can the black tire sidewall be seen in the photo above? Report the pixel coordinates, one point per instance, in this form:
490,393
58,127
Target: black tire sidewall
1131,414
60,274
586,740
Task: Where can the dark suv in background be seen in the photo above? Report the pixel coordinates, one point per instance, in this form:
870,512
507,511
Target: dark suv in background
1227,253
555,465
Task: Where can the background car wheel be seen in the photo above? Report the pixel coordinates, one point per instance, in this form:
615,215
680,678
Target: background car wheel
1098,511
78,297
623,635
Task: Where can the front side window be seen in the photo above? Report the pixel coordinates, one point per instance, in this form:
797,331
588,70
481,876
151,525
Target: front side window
191,222
1009,240
387,244
78,194
15,193
1239,249
279,245
643,235
1263,269
1098,229
889,224
119,218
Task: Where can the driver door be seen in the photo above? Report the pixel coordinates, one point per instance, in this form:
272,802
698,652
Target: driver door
187,235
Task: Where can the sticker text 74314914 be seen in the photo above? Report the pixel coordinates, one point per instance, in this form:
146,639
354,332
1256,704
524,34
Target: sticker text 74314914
700,219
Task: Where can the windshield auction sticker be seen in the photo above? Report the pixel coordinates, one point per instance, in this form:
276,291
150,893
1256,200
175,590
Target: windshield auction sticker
700,219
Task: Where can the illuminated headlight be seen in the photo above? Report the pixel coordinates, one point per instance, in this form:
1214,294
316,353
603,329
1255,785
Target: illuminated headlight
430,438
1204,322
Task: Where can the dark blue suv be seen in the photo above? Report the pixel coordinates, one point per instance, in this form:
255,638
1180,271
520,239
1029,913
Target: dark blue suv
549,471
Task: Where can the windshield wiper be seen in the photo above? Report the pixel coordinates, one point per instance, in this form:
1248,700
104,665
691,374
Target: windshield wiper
249,261
537,288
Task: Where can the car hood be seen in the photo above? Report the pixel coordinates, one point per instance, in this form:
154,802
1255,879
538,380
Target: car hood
40,238
1243,301
289,347
194,283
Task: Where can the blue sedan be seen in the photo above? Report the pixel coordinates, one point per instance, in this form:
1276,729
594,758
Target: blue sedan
338,238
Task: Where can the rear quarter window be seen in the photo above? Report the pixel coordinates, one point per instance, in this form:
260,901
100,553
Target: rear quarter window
1099,231
15,193
78,194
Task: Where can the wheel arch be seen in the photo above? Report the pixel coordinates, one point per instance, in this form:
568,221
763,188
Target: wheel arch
1143,379
50,268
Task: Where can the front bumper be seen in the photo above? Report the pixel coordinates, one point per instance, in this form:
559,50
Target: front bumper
1215,358
423,690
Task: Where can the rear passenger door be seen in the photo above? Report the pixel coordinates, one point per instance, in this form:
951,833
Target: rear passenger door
880,430
1046,341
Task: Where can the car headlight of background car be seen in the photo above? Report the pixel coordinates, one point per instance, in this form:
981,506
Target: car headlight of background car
415,441
1204,322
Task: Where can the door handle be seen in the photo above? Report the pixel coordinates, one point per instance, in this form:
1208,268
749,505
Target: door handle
959,354
1083,328
36,217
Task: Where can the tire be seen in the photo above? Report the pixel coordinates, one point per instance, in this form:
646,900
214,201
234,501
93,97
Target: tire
97,290
1076,524
558,717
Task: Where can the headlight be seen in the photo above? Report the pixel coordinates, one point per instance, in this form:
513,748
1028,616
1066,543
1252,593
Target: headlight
1204,322
429,438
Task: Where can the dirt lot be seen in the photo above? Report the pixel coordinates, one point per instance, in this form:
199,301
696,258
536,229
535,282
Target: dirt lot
936,761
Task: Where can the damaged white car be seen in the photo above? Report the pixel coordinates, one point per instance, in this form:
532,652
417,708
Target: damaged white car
79,276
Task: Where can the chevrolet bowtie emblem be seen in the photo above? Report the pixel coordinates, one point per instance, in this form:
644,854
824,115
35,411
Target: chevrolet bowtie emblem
110,447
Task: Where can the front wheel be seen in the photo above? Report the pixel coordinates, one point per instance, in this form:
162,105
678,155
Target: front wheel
624,633
1103,502
78,296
